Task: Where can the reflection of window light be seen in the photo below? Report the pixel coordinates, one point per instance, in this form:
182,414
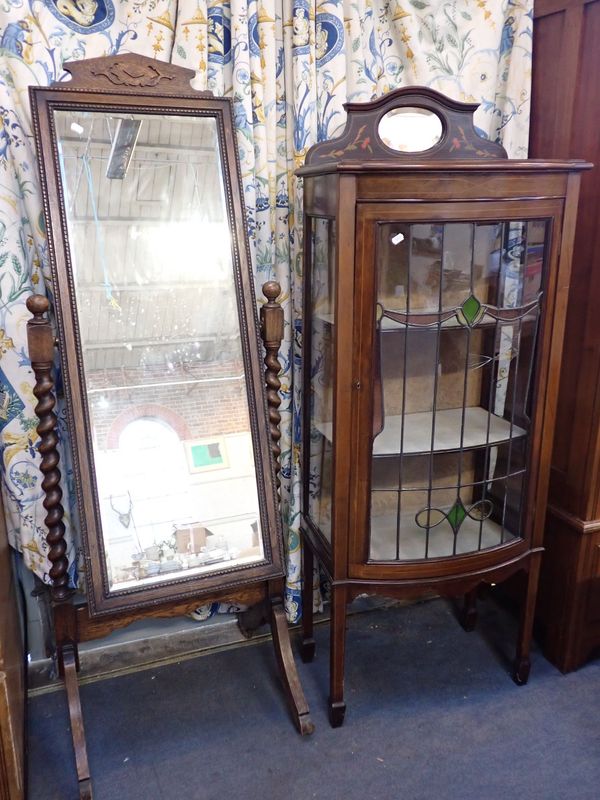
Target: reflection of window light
200,248
103,402
147,433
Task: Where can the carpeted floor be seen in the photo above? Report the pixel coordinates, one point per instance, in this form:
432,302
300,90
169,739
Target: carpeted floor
432,713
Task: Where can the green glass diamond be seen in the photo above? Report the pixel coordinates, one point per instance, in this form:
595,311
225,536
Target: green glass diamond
471,310
456,515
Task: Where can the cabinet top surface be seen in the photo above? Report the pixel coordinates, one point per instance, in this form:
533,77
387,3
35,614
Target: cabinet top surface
354,166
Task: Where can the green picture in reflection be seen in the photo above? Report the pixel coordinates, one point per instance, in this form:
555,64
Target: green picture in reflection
207,455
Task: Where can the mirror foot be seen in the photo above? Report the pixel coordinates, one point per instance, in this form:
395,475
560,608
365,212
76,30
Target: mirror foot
289,673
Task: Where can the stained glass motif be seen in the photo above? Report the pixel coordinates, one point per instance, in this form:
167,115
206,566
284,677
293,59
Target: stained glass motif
456,323
431,517
470,312
456,515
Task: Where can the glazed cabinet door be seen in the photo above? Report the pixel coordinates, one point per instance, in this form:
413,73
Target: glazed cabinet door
448,326
319,348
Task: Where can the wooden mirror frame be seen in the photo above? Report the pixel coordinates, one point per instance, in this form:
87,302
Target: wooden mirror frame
124,85
136,83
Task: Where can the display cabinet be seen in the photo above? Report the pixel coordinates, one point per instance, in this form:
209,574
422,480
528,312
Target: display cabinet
435,280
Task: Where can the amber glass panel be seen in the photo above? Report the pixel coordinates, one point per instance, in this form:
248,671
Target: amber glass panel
457,316
321,338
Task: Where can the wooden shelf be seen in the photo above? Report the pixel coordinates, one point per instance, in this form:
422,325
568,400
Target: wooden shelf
441,538
418,429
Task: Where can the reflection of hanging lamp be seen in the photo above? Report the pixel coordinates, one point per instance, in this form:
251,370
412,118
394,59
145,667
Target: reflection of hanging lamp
108,287
121,152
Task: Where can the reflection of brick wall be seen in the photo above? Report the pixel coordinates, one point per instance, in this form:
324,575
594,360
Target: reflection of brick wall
208,400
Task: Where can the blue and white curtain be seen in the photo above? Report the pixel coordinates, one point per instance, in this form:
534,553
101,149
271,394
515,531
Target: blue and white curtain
289,65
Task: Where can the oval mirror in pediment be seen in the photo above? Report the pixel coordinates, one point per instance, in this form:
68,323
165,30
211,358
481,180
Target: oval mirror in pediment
410,129
158,342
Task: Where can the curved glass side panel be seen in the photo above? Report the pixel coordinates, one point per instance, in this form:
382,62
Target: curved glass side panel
457,315
156,311
319,436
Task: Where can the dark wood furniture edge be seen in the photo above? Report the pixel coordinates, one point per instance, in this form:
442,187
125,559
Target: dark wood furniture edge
124,79
568,608
13,679
70,667
330,171
446,586
287,665
574,522
307,643
271,327
129,73
543,8
565,103
41,350
88,93
73,622
458,138
508,166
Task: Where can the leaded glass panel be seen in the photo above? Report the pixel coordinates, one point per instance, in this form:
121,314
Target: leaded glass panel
457,314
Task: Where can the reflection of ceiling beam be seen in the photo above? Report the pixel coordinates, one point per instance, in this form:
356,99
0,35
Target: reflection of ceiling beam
167,148
140,223
134,343
192,382
184,286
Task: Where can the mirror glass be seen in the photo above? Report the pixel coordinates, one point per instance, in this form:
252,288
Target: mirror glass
153,273
410,130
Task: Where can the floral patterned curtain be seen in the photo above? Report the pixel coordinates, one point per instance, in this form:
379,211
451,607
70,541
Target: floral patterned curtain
289,66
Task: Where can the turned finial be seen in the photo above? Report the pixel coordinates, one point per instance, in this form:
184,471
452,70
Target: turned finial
271,317
41,352
37,304
271,290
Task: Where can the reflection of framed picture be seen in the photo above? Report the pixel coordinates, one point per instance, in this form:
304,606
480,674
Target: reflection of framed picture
204,455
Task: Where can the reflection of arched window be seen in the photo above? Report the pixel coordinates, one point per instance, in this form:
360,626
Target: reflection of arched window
147,433
153,412
155,469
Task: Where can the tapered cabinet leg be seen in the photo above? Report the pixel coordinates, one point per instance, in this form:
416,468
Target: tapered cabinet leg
522,663
468,614
337,706
307,646
287,667
68,660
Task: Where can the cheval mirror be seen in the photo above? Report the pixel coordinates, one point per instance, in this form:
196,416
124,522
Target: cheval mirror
173,436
